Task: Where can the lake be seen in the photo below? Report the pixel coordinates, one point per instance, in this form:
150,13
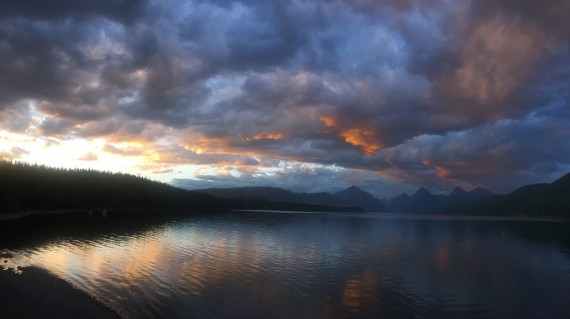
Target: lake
306,265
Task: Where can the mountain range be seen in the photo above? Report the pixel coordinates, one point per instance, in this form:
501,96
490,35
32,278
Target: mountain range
28,187
350,197
25,187
532,200
423,201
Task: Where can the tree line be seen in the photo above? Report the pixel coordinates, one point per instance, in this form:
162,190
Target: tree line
25,186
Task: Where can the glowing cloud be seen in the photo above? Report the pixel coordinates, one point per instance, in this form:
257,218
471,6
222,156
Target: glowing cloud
364,139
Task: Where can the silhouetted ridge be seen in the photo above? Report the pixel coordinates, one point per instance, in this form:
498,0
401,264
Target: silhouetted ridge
531,200
458,191
273,194
423,201
563,182
357,197
422,192
35,187
351,197
481,193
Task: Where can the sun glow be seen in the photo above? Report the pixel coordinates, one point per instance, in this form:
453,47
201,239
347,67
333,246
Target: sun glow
66,153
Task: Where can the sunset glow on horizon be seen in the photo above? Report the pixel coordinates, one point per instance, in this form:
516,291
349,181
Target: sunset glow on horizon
308,96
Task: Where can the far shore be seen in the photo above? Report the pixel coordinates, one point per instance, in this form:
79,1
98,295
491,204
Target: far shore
95,211
98,211
22,214
18,215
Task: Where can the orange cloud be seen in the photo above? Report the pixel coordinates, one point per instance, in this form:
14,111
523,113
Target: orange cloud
125,151
442,172
88,157
328,120
362,138
270,136
496,59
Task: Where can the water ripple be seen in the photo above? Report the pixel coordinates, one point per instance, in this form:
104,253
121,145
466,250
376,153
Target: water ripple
317,265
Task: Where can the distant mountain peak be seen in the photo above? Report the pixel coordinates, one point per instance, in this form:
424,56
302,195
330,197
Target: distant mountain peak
481,191
358,197
353,191
543,199
403,195
458,191
424,201
422,191
562,180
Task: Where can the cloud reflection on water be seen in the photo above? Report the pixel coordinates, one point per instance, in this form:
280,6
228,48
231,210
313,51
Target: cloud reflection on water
315,265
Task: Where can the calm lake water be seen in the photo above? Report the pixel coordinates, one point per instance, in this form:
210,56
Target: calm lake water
301,265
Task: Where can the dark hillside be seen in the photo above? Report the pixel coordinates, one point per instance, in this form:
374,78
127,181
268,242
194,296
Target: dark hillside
274,194
35,187
531,200
28,187
357,197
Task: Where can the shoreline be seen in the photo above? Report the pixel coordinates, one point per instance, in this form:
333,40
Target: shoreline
7,217
85,211
20,215
36,293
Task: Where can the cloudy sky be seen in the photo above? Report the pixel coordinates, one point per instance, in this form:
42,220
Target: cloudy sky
306,95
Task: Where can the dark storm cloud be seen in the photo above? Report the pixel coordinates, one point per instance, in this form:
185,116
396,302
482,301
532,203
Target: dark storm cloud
428,92
56,127
119,10
37,60
16,118
526,150
550,15
247,35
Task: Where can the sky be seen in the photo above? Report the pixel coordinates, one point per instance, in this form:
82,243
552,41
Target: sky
305,95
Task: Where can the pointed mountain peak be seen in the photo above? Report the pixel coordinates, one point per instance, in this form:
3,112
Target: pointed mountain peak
458,191
358,197
354,188
564,180
422,191
481,191
402,196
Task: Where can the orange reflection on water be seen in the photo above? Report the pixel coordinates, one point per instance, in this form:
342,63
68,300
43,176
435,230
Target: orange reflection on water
442,258
194,261
142,261
360,291
56,257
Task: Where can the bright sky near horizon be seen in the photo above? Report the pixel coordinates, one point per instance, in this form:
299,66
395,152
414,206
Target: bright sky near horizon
306,95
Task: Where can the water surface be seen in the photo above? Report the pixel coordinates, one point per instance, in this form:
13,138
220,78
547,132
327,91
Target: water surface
300,265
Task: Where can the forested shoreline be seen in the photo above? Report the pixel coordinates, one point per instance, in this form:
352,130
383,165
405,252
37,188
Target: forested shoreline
26,186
